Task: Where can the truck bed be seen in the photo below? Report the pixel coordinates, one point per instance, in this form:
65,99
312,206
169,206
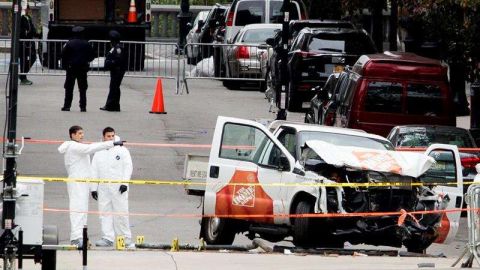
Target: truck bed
195,172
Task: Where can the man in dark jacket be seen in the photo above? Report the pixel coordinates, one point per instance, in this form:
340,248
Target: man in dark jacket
27,51
117,64
76,57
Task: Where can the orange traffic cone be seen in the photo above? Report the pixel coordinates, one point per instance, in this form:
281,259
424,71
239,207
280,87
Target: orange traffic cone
157,105
132,12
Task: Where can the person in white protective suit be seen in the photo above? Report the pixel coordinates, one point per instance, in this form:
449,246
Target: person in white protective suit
113,164
78,166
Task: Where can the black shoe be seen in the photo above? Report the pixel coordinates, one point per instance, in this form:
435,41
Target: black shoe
65,109
83,109
104,108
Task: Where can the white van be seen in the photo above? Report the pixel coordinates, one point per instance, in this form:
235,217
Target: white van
243,12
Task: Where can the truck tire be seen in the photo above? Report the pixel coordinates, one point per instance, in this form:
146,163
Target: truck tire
217,231
303,227
49,257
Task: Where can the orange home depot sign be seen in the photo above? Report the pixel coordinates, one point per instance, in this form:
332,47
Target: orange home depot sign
244,199
377,161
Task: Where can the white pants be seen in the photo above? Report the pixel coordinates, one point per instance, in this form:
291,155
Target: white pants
110,200
78,195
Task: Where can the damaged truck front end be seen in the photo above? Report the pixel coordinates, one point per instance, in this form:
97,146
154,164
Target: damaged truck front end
376,191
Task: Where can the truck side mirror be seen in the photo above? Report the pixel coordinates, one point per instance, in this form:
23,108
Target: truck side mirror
322,94
270,41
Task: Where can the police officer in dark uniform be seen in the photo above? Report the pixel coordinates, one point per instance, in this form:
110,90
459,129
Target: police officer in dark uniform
27,53
116,62
76,57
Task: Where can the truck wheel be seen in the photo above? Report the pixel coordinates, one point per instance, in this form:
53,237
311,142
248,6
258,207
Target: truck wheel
217,231
302,228
49,257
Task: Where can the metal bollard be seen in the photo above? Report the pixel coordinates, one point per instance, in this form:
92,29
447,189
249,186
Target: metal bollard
20,249
84,248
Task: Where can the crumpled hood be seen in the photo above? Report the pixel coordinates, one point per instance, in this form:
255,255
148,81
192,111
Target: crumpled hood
64,146
403,163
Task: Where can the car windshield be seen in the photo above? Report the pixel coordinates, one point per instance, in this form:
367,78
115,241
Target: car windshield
345,140
276,14
343,43
423,137
258,35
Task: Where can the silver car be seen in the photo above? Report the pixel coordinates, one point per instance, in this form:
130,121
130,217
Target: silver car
248,54
193,35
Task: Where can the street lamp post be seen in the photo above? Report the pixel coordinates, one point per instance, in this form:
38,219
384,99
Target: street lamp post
281,94
183,17
8,241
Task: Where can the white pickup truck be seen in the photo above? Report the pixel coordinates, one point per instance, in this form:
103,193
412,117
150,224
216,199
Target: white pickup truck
258,178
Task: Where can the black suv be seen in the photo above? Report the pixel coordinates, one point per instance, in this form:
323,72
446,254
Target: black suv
314,55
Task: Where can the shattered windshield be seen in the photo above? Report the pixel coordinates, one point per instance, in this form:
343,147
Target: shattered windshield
345,140
423,137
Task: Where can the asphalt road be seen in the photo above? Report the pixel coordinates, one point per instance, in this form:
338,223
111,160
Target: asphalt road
190,119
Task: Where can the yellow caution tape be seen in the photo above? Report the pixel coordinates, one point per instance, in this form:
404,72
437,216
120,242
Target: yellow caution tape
192,183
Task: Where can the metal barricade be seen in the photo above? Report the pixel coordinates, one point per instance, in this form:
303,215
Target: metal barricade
144,59
472,199
231,63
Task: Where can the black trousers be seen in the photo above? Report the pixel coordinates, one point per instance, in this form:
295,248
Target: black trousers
113,99
79,74
28,56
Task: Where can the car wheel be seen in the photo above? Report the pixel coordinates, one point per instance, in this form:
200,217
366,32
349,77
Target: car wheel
303,227
217,231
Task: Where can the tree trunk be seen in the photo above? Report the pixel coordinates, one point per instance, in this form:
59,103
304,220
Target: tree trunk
457,84
377,24
393,25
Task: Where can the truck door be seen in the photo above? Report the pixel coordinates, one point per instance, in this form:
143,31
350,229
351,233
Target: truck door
246,167
447,173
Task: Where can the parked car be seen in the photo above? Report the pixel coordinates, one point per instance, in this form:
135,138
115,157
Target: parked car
390,89
193,37
206,35
317,53
272,71
412,136
248,54
247,161
322,105
245,12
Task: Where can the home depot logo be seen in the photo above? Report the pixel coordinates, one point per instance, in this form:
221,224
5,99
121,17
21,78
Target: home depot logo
245,196
377,161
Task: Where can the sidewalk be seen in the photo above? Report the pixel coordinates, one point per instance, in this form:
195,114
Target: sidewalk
141,260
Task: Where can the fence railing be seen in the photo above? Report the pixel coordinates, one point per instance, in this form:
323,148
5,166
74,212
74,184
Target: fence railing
164,19
233,64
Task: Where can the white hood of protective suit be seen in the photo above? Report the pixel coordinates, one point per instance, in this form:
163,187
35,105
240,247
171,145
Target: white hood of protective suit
403,163
77,157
